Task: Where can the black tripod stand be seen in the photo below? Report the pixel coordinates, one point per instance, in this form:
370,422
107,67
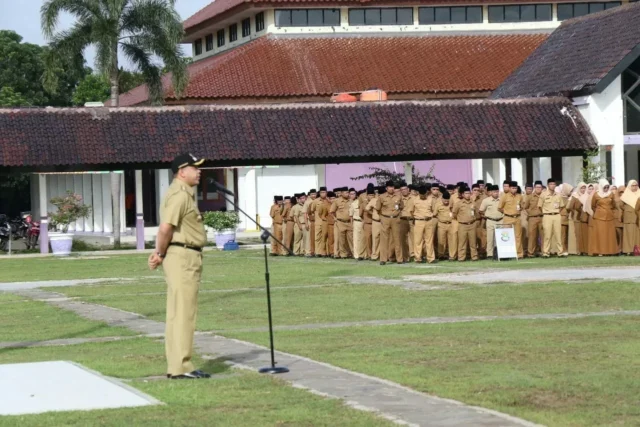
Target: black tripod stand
273,369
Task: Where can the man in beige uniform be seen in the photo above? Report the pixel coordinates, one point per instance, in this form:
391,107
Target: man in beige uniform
300,224
511,206
320,211
534,224
406,223
367,219
276,225
492,216
389,205
551,203
179,243
340,211
421,211
447,238
464,213
357,223
375,225
309,247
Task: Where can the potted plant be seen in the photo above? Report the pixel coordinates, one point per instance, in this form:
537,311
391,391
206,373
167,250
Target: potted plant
224,224
70,209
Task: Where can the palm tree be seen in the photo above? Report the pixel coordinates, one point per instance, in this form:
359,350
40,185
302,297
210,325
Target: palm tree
141,30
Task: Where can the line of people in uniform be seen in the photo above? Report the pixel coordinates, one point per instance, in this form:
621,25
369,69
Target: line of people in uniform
400,223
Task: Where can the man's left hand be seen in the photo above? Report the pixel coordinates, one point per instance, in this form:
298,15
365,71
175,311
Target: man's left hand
154,261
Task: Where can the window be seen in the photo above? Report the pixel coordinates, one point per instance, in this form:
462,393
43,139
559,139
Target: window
450,15
307,17
574,10
233,32
209,42
259,22
520,13
385,16
246,27
198,47
221,38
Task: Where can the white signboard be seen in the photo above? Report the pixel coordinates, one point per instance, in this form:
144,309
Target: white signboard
506,242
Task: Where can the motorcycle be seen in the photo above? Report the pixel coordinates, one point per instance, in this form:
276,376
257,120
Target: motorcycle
5,232
32,234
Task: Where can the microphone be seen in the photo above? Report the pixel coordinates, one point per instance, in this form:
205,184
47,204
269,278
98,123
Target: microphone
219,187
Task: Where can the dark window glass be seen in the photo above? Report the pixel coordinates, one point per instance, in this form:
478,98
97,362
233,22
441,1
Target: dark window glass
458,15
299,18
388,16
580,9
331,17
496,13
260,21
511,13
405,16
613,4
528,13
426,15
246,27
543,12
198,47
565,11
372,16
596,7
221,38
443,15
356,16
474,15
233,32
209,42
314,18
283,18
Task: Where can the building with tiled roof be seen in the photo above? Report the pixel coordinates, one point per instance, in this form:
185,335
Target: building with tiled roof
264,73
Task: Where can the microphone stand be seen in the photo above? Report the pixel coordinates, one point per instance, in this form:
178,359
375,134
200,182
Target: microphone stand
273,369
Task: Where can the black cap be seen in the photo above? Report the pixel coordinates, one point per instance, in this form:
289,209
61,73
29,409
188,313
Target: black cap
464,189
313,190
389,184
460,184
489,184
301,195
538,183
429,186
446,196
403,184
480,181
371,190
442,189
331,194
422,189
413,187
277,198
475,186
370,185
528,185
513,184
506,181
451,187
550,180
323,188
287,198
350,190
184,160
381,189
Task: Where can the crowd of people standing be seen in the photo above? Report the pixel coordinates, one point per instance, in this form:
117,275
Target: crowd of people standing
402,223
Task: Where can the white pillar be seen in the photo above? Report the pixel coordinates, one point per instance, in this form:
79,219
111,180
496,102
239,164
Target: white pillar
230,184
572,170
517,171
96,190
248,196
87,198
107,209
408,176
321,175
163,181
545,169
139,211
487,167
477,170
44,220
631,170
617,164
499,171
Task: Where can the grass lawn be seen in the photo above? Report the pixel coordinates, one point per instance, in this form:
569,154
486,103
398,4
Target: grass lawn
35,320
243,398
246,268
561,373
244,309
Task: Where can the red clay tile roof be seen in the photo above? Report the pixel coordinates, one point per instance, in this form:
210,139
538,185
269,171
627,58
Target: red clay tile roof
219,7
579,56
305,133
276,66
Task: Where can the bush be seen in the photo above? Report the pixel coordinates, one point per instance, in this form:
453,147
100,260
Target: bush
70,209
218,220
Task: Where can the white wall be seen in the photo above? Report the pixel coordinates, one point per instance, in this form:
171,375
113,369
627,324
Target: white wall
604,113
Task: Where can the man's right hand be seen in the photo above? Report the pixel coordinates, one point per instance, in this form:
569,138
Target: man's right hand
154,261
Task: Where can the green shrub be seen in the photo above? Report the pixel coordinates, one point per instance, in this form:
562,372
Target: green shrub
218,220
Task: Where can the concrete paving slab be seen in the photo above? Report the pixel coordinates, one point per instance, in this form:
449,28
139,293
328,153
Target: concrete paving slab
34,388
532,276
18,286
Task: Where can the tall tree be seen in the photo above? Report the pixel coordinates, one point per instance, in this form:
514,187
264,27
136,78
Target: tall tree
139,29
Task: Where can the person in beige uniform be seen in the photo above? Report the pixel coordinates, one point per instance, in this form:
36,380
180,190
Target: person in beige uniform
551,203
511,206
492,216
277,219
331,226
320,211
389,205
375,225
367,219
534,225
421,211
477,196
357,223
310,246
629,204
340,211
464,213
287,226
447,239
181,237
300,225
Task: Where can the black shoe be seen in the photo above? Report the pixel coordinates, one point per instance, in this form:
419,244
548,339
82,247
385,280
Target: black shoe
383,263
194,375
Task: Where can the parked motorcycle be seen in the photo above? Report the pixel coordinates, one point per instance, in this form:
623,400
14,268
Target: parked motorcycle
5,232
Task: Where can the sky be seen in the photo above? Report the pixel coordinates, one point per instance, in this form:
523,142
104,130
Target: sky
23,17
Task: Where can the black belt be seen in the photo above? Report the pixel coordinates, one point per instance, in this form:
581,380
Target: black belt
466,223
423,219
551,214
444,222
407,218
342,220
494,219
182,245
358,220
387,216
535,216
512,216
376,220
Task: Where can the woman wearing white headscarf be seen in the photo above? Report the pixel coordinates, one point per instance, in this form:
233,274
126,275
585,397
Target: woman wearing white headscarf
602,240
630,206
574,207
591,191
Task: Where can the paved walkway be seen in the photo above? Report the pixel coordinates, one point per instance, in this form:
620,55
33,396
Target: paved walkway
387,399
529,276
